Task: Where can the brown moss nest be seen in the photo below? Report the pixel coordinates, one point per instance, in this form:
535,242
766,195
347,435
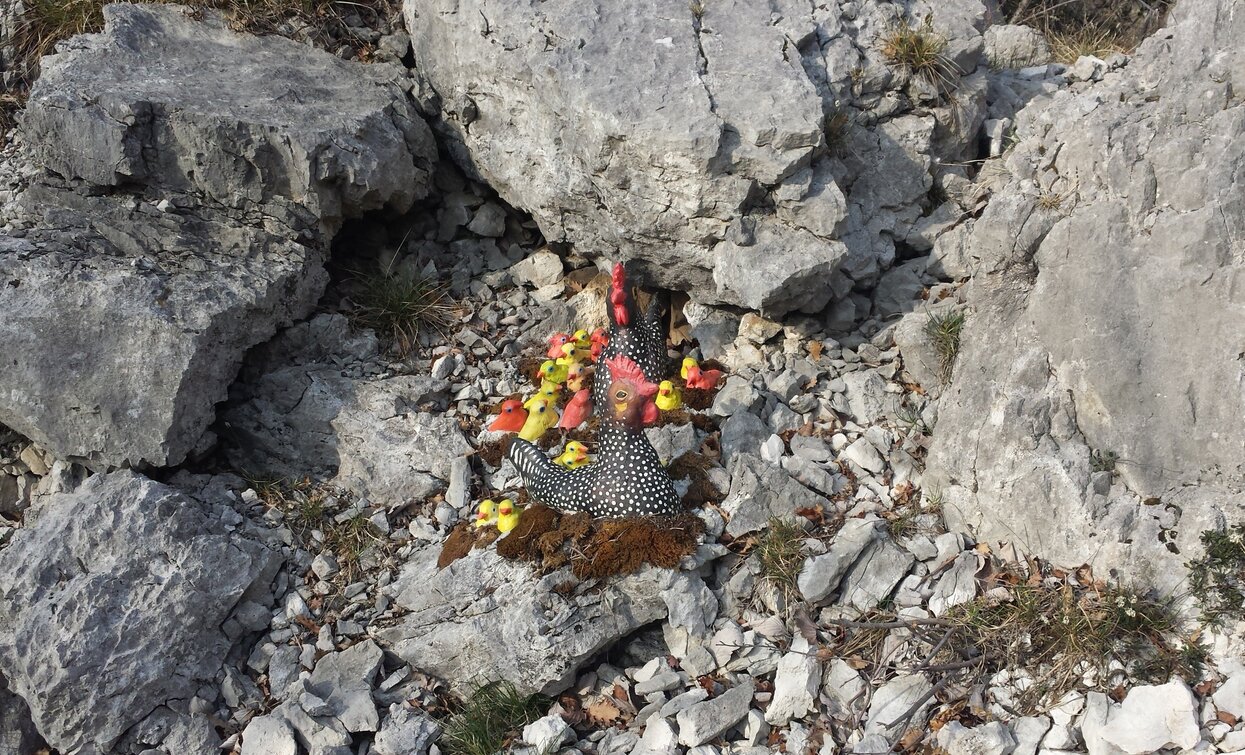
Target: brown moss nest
698,399
599,548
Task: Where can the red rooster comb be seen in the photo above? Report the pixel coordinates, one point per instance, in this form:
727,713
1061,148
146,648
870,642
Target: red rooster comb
618,295
623,368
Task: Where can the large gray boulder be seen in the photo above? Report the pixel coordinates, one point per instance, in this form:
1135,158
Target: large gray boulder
1095,412
754,154
484,618
160,99
123,324
115,606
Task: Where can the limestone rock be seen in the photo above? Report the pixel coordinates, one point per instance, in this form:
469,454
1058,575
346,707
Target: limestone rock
405,732
484,618
710,719
895,698
17,731
268,735
761,491
112,602
872,578
1150,718
821,574
533,107
1015,46
795,684
162,100
125,325
344,681
1063,366
993,738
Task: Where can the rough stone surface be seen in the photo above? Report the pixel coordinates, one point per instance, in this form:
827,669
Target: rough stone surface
17,731
112,604
484,618
892,700
821,574
735,169
761,491
875,573
1064,363
405,732
708,720
1150,718
268,735
162,100
1015,46
795,684
194,290
993,738
344,681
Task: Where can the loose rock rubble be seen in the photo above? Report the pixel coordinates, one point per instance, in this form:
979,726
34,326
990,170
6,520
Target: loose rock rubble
284,591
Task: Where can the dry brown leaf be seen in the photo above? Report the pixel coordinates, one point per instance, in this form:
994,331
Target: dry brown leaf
602,712
814,349
1226,717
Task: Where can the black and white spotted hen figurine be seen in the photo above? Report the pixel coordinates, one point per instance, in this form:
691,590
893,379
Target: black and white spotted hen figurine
642,340
627,478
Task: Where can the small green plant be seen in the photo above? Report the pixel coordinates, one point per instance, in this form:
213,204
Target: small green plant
1217,579
1065,630
910,417
943,330
399,305
1103,461
919,51
488,718
781,553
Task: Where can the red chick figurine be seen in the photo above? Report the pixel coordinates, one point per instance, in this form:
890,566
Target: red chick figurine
511,418
578,409
556,342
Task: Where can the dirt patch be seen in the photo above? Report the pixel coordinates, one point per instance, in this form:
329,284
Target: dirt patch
698,399
599,548
492,453
457,545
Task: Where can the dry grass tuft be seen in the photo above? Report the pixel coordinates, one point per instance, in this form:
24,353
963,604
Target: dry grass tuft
399,306
1074,28
919,51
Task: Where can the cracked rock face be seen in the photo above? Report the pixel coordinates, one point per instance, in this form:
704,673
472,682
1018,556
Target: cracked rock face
1081,328
189,106
695,139
124,325
112,601
484,618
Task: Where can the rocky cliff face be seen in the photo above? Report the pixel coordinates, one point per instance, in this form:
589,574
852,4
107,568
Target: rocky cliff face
1094,414
764,156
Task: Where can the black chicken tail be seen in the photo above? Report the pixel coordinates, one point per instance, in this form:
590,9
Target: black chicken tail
545,481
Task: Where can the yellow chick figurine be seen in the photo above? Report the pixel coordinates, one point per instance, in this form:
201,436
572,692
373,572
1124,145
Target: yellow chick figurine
548,391
574,456
553,372
486,514
688,362
668,398
583,341
571,353
540,417
507,516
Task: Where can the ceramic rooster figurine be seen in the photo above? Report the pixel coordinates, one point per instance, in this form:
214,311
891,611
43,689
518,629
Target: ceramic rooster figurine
627,478
642,340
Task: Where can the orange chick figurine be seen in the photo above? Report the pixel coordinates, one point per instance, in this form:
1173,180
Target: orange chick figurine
511,417
578,409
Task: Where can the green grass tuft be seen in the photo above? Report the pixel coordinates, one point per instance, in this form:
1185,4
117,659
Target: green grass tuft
781,554
488,718
943,330
1217,579
398,306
